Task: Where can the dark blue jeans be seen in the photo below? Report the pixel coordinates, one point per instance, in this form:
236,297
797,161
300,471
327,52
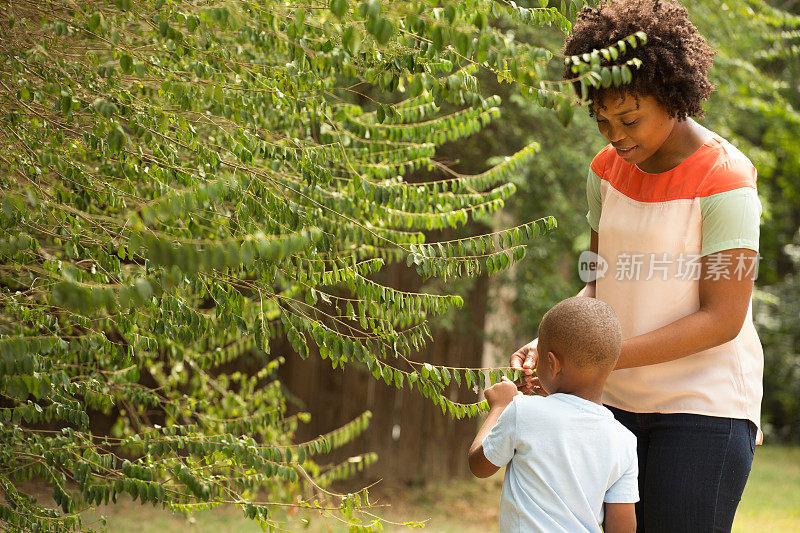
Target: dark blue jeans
692,469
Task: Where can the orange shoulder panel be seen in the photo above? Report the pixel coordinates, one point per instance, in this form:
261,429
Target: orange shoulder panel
598,164
715,167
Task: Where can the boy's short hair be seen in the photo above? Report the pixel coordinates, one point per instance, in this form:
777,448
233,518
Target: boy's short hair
584,330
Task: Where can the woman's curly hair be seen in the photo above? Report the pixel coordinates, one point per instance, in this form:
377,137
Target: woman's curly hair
675,59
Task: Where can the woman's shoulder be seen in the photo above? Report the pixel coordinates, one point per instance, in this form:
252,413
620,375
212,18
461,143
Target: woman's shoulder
601,159
725,168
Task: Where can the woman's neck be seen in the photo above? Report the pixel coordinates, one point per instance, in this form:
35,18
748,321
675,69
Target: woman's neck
685,139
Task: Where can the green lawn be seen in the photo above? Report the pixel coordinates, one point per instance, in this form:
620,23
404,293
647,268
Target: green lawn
771,503
771,500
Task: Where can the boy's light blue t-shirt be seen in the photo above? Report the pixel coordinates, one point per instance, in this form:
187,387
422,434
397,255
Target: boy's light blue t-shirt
565,457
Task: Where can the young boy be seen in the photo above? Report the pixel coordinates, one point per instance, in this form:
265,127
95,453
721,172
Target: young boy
570,465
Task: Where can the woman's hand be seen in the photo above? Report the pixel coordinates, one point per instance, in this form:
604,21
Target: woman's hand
524,360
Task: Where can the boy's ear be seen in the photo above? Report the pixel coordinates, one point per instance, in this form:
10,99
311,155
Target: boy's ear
555,363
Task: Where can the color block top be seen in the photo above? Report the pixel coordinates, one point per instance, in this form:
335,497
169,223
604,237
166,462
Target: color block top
652,231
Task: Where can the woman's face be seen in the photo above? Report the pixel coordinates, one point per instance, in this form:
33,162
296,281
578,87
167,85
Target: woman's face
636,126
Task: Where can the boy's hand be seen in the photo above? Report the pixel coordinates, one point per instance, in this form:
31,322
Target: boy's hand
500,394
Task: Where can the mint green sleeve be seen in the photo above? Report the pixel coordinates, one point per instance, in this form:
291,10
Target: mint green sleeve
593,199
730,220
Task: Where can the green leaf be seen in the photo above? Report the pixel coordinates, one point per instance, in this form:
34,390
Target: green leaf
117,139
339,7
384,29
616,75
605,77
506,259
565,113
450,13
126,63
437,38
143,290
94,21
351,39
426,370
462,42
627,77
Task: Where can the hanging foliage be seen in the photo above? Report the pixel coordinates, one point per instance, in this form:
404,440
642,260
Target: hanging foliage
184,182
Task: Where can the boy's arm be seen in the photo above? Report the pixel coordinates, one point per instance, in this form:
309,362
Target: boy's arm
478,463
498,396
619,506
620,518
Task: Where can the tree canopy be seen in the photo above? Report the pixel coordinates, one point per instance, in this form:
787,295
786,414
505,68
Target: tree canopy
184,182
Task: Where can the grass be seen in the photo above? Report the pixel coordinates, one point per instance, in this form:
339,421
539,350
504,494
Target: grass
771,500
769,504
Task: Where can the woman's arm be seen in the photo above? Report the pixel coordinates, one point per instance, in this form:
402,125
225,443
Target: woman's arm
723,307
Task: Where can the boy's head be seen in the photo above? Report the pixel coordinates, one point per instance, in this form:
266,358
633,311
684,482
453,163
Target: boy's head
584,337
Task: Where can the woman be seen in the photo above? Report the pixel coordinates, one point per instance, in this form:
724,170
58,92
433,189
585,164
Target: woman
674,212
